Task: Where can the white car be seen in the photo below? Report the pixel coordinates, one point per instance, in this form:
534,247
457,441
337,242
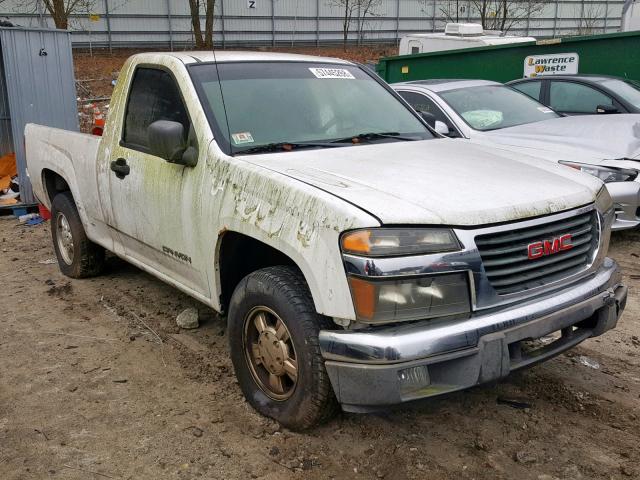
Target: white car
490,113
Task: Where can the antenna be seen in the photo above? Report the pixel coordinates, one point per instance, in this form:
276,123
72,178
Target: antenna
224,106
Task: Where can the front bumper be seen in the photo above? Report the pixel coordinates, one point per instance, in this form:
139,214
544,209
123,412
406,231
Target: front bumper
626,200
389,365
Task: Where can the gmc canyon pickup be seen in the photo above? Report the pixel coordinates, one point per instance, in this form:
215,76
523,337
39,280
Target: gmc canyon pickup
360,259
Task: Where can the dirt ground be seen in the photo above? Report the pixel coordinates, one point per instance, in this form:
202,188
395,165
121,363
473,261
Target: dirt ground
97,381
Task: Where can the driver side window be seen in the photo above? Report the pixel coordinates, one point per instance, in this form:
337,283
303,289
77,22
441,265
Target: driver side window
154,95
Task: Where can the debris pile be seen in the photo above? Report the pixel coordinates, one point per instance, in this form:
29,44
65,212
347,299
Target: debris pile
93,99
92,117
9,185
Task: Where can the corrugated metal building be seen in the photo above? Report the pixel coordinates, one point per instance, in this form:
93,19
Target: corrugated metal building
36,86
6,135
167,23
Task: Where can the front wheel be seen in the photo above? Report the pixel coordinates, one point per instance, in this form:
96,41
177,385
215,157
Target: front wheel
273,336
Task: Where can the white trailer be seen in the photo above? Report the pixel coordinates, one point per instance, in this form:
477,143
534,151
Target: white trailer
456,36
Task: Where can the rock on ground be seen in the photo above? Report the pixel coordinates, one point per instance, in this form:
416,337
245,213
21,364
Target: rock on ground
188,319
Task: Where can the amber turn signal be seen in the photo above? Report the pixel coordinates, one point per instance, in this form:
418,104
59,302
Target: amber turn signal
357,242
364,297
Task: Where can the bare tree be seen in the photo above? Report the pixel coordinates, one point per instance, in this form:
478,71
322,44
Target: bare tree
60,10
500,15
589,16
197,8
349,7
366,9
504,15
450,10
357,10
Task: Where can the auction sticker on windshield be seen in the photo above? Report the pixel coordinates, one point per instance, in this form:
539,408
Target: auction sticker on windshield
332,73
554,64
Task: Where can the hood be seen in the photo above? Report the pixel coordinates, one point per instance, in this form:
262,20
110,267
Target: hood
432,182
590,138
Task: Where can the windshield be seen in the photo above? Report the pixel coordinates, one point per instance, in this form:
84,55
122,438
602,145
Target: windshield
491,107
268,103
629,91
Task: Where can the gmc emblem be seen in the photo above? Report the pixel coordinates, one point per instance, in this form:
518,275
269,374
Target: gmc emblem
549,247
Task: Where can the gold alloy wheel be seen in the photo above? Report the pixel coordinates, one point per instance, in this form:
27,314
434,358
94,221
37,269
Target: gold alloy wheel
270,353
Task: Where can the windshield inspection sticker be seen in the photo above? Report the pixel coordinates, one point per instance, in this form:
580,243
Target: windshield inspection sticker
332,73
242,138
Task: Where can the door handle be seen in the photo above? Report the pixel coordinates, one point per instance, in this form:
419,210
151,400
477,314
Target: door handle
120,168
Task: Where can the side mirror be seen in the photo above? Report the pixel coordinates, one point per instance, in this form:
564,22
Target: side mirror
606,109
167,140
442,128
429,118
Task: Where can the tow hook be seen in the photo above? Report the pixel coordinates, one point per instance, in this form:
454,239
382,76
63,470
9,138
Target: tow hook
620,296
609,299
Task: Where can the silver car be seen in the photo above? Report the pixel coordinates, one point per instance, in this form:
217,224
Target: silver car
490,113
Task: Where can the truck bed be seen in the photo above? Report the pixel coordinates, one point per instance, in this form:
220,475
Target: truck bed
73,156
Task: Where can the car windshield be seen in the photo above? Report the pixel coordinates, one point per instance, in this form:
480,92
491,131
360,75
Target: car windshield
629,91
263,104
490,107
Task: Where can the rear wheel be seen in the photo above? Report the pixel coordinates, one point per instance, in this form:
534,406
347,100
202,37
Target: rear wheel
78,257
273,335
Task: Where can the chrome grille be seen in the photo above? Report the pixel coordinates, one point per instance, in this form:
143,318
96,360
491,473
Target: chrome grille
507,264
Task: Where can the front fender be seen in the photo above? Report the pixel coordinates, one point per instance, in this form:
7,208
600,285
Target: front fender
292,217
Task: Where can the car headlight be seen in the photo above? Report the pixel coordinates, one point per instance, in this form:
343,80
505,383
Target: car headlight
604,202
402,299
379,298
384,242
606,174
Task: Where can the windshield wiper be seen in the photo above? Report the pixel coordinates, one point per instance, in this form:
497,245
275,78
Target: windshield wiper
376,135
287,146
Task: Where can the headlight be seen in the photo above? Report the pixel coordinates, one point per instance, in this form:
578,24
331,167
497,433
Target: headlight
398,298
606,174
378,242
402,299
604,201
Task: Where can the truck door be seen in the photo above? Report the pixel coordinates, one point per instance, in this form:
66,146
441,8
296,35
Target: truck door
154,205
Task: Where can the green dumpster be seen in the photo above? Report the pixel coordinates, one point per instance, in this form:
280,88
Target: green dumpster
611,54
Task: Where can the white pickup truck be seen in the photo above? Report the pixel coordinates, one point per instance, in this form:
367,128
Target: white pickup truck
360,259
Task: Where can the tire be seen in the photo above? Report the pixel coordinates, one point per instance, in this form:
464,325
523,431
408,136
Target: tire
280,293
83,258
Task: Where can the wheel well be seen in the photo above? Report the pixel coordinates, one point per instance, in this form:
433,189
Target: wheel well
239,255
53,184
